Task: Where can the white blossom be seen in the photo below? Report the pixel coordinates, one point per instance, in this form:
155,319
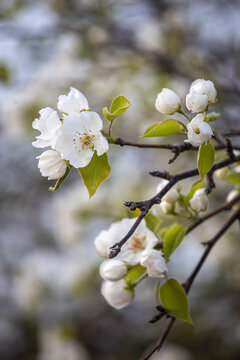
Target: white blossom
167,102
234,193
221,173
196,102
51,164
74,101
198,131
47,124
117,293
171,196
154,262
131,251
205,87
199,201
166,207
113,270
79,136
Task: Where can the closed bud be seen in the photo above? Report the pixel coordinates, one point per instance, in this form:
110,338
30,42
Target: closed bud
196,102
167,102
199,201
113,270
117,294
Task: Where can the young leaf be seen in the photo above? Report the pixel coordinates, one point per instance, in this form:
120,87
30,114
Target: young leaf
173,239
163,128
153,222
61,180
134,274
205,158
95,172
118,106
174,300
195,186
233,178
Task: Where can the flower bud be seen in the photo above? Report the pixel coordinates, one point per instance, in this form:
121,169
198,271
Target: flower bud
221,173
205,87
74,101
234,193
199,201
167,102
166,207
117,294
113,270
171,196
51,164
154,262
196,102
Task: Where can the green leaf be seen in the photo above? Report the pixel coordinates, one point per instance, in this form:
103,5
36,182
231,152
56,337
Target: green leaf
173,239
205,158
174,300
95,172
212,116
195,186
108,115
118,106
163,128
61,180
153,222
233,178
134,274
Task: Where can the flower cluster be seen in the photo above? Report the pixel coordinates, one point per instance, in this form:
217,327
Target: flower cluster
138,253
202,93
73,135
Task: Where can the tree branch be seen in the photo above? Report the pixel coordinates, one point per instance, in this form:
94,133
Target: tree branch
145,206
188,283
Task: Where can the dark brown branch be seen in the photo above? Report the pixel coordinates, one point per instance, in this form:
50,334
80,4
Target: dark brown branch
232,133
188,283
145,206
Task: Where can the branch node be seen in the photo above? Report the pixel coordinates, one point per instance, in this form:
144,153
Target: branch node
114,250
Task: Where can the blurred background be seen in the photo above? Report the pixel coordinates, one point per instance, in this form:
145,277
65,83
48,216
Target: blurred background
50,304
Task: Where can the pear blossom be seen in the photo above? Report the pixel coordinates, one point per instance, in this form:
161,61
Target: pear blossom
198,131
79,137
131,251
234,193
113,270
117,293
167,102
205,87
199,201
166,207
154,262
171,196
196,102
51,164
47,124
74,101
221,173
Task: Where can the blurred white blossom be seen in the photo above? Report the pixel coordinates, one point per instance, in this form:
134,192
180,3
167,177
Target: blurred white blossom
117,293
